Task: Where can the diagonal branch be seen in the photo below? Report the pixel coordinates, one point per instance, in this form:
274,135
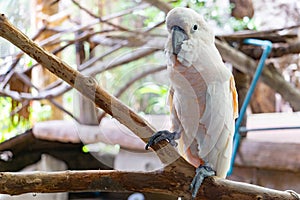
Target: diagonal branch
85,85
89,88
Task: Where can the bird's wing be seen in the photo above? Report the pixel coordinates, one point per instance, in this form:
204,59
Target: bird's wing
218,118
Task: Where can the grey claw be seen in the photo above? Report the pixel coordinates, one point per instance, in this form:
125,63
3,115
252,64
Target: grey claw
202,172
162,135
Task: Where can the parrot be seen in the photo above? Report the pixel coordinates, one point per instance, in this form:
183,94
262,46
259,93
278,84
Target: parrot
202,97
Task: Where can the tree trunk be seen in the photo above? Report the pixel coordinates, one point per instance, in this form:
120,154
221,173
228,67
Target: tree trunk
85,108
263,99
41,76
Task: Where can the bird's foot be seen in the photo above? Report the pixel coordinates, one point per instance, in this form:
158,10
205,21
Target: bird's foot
202,172
163,135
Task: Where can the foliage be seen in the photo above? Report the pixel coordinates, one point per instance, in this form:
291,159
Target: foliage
10,125
242,24
213,11
102,147
138,96
41,111
153,96
151,16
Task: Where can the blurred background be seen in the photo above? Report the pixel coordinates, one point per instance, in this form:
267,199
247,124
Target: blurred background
47,125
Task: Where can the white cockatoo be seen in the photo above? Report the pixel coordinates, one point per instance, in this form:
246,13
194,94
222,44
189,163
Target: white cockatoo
203,97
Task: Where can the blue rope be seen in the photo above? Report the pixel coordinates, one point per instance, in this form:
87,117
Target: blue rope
267,46
244,129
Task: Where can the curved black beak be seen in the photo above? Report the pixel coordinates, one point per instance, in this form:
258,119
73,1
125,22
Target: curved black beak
178,36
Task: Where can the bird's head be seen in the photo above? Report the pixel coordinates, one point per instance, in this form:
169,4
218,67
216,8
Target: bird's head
186,24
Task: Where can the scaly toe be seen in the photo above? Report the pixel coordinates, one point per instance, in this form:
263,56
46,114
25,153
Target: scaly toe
162,135
202,172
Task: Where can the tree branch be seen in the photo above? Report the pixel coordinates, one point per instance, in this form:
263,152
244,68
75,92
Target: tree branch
89,88
255,52
165,7
85,85
57,88
271,34
115,181
98,17
26,149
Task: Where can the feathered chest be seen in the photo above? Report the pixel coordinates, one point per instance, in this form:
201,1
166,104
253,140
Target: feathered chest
189,94
187,80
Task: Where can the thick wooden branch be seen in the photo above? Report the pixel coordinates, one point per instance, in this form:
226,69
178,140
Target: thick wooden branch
85,85
26,149
271,34
256,52
89,88
116,181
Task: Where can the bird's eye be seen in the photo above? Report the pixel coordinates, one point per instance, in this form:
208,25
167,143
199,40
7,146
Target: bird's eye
195,27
